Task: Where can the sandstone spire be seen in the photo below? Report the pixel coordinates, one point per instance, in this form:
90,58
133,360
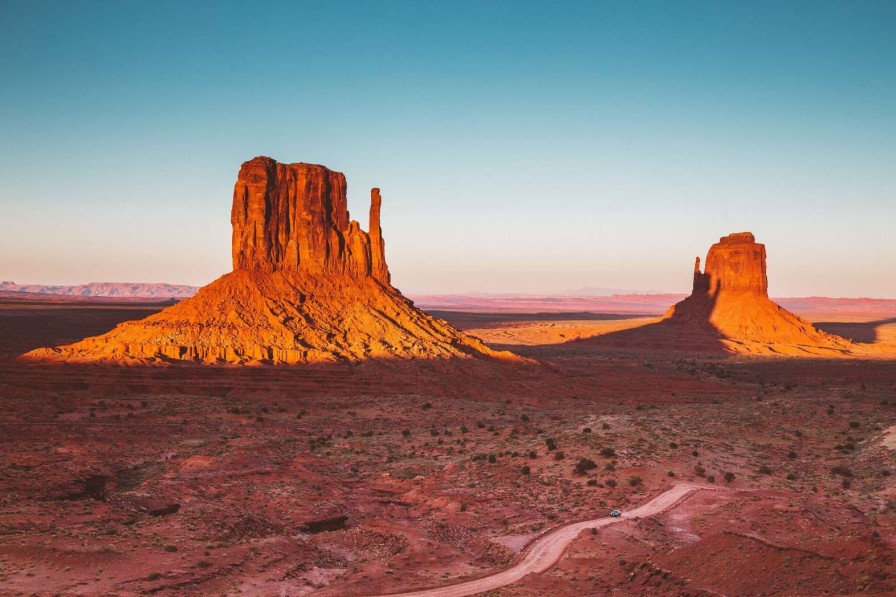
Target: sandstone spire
378,267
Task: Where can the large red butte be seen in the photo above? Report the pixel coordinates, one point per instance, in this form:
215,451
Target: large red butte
308,286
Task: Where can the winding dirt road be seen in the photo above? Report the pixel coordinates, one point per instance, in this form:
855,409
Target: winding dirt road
544,552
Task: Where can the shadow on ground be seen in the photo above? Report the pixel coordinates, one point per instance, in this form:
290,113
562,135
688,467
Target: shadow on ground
867,332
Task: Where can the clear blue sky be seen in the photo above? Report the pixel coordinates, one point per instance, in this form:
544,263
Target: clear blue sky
520,146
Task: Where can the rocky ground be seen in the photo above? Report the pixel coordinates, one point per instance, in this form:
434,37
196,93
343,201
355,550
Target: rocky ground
388,476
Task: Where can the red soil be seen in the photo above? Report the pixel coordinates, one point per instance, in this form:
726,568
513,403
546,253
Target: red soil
191,480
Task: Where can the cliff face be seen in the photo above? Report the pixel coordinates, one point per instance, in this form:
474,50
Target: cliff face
308,286
294,217
736,264
730,300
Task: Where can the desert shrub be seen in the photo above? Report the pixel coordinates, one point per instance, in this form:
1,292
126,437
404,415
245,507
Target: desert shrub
841,470
492,459
406,432
605,426
586,430
171,548
426,406
711,479
464,429
729,476
635,481
610,482
584,465
846,484
525,470
559,455
154,576
533,454
695,453
671,473
524,418
608,452
854,424
591,482
610,466
791,477
551,444
204,564
791,454
673,445
765,470
699,470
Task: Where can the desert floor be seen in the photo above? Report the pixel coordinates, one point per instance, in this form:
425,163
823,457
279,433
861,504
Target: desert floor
393,476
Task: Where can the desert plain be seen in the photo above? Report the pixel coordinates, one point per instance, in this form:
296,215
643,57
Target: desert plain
387,476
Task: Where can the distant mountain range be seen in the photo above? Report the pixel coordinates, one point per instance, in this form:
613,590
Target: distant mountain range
106,289
603,291
585,299
641,304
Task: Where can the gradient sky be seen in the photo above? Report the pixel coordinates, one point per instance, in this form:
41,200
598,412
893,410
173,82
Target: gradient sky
520,147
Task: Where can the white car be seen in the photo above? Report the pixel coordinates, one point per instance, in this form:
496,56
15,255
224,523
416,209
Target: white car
615,513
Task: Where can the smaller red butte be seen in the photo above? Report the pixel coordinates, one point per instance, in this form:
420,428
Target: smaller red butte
731,297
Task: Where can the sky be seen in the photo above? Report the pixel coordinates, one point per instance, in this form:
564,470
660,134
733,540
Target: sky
528,147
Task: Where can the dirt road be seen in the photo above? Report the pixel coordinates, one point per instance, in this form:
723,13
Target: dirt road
547,549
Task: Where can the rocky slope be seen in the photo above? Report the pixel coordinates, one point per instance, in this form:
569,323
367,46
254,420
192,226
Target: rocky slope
730,299
308,286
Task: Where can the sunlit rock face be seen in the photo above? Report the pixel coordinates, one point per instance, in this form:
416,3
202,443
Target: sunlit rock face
308,286
294,217
736,264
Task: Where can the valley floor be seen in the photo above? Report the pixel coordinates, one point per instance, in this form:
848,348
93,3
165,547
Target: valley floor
391,476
